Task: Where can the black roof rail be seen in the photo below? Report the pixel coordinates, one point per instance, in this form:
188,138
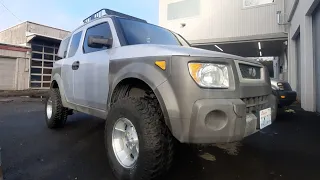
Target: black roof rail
108,12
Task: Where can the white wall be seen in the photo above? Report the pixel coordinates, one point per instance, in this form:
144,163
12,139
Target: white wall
14,35
301,23
22,61
225,20
46,30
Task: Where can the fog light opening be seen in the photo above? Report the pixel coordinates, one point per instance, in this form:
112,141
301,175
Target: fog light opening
216,120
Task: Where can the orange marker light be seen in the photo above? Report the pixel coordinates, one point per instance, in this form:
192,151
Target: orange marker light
194,69
161,64
283,97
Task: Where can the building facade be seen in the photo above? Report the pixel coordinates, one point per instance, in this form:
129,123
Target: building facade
303,21
249,28
288,30
221,21
43,43
14,67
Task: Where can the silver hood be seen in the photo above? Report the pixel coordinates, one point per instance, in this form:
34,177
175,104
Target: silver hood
145,50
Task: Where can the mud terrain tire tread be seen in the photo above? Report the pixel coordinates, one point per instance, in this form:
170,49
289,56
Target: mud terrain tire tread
59,113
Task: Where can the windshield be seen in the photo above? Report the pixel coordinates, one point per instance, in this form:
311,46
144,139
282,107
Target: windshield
136,32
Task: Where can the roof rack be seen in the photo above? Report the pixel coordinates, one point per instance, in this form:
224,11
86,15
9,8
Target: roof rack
108,12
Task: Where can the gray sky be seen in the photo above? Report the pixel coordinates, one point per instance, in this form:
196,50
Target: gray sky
68,14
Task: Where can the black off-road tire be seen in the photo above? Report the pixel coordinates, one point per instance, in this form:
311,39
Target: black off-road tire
154,144
59,113
172,143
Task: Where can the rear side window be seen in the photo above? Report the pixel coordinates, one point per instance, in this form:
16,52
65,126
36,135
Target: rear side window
74,44
62,53
102,30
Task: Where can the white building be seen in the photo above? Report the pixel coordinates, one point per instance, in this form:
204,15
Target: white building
27,53
303,18
286,29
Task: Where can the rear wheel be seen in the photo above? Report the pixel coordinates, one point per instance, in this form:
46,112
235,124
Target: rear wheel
55,113
137,140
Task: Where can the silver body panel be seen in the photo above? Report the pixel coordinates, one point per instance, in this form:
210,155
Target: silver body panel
184,104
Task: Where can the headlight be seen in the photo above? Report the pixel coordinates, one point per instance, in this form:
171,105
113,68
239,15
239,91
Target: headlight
209,75
280,86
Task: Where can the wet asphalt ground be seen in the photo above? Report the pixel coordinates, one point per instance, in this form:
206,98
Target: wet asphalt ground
288,149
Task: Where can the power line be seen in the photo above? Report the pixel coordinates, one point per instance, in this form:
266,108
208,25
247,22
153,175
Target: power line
9,11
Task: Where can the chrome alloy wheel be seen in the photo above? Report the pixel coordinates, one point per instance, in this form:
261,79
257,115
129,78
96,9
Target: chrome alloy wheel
49,108
125,142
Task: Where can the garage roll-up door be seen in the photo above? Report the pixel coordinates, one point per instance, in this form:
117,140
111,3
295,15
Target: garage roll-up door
7,73
316,31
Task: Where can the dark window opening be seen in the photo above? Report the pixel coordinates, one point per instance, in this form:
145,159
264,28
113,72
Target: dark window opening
46,84
36,63
47,71
48,57
75,44
36,71
46,78
102,30
35,78
136,32
48,64
36,56
36,48
35,84
48,50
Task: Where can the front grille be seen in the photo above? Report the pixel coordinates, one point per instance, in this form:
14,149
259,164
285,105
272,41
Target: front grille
255,104
250,72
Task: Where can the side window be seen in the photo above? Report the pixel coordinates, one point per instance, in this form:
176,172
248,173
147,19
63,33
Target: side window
74,44
62,53
102,30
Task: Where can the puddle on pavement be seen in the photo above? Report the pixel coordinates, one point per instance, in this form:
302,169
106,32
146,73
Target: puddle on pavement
208,157
230,148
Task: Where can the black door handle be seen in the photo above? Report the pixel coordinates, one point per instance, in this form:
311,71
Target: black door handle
75,65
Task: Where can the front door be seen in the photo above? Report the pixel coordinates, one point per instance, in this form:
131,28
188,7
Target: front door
67,69
91,83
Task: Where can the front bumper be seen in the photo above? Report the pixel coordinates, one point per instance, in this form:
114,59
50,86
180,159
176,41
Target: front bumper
222,120
187,107
286,98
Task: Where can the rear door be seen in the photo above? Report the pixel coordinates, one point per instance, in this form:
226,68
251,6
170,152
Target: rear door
91,83
68,68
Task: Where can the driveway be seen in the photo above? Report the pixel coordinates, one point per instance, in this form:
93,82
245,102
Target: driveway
288,149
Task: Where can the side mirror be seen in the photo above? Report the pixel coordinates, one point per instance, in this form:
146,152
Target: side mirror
99,42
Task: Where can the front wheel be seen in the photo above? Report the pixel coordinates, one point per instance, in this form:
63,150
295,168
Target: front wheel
55,113
136,140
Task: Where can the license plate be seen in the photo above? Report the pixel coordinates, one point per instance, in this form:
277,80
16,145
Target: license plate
265,118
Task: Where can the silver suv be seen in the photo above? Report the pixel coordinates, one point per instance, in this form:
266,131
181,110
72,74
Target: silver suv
153,89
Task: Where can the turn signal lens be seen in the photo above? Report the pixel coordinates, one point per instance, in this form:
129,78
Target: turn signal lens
161,64
194,69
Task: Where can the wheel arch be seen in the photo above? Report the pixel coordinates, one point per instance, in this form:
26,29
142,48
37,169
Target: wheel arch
56,82
138,81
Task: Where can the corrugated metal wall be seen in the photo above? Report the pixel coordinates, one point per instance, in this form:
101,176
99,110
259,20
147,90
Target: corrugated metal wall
224,19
